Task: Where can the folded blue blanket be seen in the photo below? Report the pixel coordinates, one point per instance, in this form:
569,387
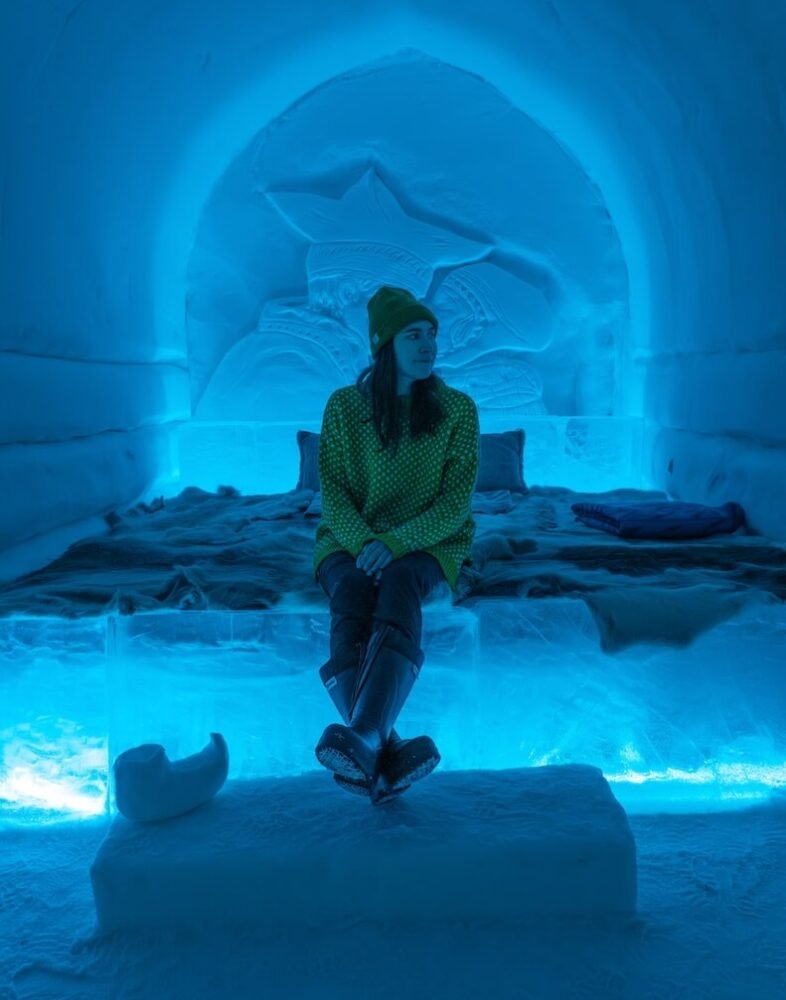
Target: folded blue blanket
661,518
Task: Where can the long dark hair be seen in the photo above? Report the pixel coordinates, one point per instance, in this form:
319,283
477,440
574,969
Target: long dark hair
426,412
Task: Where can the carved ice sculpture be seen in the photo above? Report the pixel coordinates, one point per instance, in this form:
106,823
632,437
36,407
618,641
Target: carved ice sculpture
150,787
511,325
493,305
365,239
284,369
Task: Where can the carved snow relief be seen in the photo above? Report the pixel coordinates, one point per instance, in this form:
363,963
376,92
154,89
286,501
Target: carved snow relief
498,311
283,370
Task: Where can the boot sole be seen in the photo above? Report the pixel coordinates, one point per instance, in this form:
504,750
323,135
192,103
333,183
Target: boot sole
362,786
417,774
344,752
338,762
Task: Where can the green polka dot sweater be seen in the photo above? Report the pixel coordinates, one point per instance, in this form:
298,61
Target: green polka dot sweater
419,500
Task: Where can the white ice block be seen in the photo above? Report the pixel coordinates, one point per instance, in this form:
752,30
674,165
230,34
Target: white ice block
498,845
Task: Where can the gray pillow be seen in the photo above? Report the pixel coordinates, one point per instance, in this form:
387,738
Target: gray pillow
501,461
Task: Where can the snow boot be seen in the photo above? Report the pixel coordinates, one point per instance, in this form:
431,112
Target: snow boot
341,686
382,686
403,761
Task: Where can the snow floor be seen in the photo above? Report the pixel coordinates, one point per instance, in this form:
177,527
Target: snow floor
711,923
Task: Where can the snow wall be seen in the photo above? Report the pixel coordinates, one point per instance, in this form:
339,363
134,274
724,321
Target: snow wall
591,193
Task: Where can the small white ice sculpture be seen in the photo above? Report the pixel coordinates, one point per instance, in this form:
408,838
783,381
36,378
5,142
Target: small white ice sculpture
149,787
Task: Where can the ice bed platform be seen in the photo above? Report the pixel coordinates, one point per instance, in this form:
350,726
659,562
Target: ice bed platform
482,845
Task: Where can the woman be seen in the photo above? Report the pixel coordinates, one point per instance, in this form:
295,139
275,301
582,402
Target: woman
398,461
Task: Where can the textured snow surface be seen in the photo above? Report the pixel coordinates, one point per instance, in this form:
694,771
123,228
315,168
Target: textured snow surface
465,844
711,923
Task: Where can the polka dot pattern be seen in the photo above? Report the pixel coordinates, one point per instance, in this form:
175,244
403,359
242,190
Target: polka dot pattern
419,500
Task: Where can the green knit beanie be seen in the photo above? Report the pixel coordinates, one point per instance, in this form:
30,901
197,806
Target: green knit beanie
389,311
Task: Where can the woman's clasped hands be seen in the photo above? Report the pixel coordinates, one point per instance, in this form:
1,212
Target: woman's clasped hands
373,558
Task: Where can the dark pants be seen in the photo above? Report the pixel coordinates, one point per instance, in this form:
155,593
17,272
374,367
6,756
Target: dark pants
358,604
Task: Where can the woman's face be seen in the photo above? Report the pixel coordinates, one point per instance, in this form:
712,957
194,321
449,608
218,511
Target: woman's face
415,348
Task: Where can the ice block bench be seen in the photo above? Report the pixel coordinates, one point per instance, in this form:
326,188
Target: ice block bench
499,845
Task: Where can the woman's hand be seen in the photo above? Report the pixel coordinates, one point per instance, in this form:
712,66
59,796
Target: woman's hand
374,557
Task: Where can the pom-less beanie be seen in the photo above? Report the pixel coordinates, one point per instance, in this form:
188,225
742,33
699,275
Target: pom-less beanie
389,311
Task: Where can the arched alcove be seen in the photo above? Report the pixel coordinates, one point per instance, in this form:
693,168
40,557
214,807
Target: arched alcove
463,200
586,350
571,122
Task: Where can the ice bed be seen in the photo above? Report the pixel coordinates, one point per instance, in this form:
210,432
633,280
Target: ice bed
659,661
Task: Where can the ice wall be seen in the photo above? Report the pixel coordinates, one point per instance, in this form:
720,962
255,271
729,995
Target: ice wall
118,121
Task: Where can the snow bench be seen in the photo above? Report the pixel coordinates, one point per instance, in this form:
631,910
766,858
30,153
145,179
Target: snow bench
488,845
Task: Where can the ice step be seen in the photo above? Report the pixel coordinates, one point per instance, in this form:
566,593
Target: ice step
498,845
